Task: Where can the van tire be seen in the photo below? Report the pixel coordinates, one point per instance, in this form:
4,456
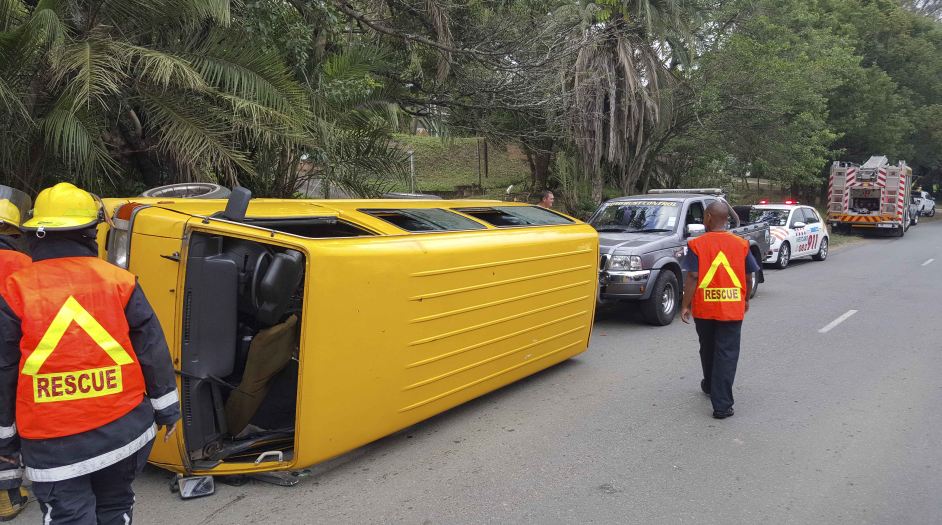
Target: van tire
189,190
661,308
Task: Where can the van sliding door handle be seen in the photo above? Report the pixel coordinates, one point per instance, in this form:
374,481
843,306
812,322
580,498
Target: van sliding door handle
275,453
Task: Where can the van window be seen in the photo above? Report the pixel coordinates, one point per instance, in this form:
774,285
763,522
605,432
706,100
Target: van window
425,219
505,216
310,227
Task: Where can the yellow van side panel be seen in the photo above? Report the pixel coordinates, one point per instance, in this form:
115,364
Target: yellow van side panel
400,329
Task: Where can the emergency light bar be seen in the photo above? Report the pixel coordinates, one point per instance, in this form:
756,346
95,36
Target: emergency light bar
705,191
788,201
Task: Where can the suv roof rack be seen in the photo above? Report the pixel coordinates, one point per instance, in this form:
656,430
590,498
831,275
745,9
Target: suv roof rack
704,191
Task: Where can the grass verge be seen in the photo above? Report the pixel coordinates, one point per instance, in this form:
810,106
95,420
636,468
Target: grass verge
445,165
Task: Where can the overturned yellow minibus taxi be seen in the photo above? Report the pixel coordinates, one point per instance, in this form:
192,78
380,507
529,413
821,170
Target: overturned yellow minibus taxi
303,329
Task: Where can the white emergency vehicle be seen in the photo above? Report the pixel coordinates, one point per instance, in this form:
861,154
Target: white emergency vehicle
796,230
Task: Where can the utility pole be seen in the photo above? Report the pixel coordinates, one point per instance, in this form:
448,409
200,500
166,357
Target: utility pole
411,171
481,183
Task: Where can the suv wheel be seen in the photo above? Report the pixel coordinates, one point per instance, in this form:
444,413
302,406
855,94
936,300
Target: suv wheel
661,308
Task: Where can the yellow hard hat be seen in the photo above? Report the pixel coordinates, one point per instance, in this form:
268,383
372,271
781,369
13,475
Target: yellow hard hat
63,207
13,207
9,213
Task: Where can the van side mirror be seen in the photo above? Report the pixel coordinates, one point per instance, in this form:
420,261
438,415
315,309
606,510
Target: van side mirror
190,487
695,229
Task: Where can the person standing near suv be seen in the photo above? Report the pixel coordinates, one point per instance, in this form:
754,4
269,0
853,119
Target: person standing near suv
716,292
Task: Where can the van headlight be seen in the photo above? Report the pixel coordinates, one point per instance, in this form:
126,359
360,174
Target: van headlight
119,244
622,263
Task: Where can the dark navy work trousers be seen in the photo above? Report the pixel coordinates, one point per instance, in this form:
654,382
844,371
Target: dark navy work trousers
719,354
104,497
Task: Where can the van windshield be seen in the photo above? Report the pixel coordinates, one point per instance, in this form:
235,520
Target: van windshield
638,216
770,216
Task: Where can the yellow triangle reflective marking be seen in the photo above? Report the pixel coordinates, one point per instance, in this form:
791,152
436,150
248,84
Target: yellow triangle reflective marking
720,260
73,311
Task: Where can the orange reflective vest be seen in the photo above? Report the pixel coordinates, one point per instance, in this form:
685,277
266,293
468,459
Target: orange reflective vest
11,261
721,291
78,370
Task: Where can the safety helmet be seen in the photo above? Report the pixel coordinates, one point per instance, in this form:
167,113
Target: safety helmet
63,207
14,204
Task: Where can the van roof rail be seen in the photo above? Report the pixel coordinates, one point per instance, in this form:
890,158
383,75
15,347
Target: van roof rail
704,191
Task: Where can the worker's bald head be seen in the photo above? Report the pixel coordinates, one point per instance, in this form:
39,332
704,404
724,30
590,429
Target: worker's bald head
716,217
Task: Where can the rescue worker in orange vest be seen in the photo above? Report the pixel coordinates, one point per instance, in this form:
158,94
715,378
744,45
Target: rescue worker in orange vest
717,288
84,367
14,205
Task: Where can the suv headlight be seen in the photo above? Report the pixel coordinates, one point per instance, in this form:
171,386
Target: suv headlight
621,263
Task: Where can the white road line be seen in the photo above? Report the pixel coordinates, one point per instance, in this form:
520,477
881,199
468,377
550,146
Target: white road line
927,263
837,321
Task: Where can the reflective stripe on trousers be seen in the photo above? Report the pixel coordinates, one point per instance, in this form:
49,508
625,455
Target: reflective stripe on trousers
50,475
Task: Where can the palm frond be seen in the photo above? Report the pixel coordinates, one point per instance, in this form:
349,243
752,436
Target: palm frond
230,63
74,138
11,104
44,28
197,139
11,13
153,14
263,125
159,68
91,70
216,10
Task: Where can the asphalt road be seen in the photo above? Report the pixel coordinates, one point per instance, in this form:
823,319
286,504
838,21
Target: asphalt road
836,427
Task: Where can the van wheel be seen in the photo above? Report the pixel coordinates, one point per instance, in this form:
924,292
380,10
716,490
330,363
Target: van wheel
189,190
784,256
661,308
822,251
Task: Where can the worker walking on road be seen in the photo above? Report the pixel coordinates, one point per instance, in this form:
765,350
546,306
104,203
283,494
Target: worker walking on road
718,265
84,366
14,205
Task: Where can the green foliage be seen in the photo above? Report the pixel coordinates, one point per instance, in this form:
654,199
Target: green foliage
116,95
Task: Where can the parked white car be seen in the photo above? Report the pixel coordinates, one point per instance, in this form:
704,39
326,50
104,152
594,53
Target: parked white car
797,231
925,204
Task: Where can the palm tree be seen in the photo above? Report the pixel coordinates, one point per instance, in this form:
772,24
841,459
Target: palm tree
118,93
618,84
163,90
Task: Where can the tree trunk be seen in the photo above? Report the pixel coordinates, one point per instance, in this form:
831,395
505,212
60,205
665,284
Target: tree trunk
539,158
541,169
598,184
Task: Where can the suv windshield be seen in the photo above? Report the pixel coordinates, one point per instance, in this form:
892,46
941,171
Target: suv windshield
772,217
637,216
